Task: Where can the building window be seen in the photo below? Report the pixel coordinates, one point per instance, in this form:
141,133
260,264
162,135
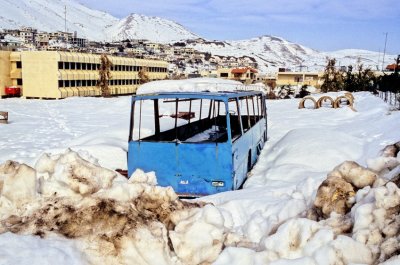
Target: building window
72,83
19,65
298,79
19,82
61,65
60,83
83,81
66,66
78,66
73,66
84,66
66,83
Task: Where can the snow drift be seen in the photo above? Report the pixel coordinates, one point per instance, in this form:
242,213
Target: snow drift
112,219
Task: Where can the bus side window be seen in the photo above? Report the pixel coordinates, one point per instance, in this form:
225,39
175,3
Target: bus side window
235,119
143,119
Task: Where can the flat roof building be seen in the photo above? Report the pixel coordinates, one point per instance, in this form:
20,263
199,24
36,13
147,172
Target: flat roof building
299,78
58,74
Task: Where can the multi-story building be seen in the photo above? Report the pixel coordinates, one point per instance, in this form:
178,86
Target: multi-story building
28,34
56,74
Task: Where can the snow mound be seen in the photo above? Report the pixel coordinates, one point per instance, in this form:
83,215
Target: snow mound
189,85
362,224
111,219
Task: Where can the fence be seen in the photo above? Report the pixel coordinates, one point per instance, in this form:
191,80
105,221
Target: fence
391,98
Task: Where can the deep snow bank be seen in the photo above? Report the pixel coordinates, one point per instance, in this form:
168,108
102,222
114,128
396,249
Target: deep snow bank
356,220
111,219
118,221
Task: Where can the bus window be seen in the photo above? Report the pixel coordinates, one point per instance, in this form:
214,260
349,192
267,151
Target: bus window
235,120
179,120
143,124
211,126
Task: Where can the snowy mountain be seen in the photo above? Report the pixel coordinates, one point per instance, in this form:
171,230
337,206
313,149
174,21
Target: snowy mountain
160,30
49,15
272,52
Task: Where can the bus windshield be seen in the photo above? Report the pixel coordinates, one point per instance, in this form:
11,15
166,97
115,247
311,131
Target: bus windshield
180,120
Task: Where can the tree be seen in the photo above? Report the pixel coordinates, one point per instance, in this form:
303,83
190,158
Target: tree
333,78
362,80
303,92
143,75
104,75
207,56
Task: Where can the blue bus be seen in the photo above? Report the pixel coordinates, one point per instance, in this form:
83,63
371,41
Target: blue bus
199,143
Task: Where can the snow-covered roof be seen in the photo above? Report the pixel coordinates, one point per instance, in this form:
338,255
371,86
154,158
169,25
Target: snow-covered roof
189,85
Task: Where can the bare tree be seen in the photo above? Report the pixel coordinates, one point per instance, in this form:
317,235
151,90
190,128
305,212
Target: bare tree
104,75
143,75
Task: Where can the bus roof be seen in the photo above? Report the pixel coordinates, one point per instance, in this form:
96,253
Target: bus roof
222,95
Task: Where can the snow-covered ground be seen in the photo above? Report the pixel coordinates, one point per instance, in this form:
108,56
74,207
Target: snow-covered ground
264,223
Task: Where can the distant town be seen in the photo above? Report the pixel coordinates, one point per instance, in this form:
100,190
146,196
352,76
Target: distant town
184,60
32,52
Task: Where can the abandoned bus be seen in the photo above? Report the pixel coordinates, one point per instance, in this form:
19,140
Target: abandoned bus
198,143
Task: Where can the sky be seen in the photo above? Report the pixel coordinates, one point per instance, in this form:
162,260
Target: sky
319,24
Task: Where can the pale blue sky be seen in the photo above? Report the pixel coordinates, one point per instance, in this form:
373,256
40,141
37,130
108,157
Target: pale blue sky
324,25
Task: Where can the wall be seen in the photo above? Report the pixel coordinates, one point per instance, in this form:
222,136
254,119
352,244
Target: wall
5,66
40,74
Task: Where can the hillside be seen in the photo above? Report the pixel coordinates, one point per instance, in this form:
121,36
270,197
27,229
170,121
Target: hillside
49,15
156,29
270,52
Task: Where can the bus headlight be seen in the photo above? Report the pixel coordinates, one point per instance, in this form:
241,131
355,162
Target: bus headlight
218,183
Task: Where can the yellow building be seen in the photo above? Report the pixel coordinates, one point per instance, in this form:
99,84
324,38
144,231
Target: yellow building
246,75
298,78
57,74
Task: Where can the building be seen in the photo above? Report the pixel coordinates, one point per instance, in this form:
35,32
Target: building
246,75
298,78
57,74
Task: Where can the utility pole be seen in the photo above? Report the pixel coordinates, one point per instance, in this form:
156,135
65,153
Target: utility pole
65,18
384,51
379,58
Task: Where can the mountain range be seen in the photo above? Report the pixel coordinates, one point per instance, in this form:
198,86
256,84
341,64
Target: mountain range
269,51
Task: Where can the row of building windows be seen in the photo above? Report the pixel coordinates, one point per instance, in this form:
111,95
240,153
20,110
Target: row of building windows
84,83
93,66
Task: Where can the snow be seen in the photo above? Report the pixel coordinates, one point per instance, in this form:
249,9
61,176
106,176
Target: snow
156,29
189,85
264,223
